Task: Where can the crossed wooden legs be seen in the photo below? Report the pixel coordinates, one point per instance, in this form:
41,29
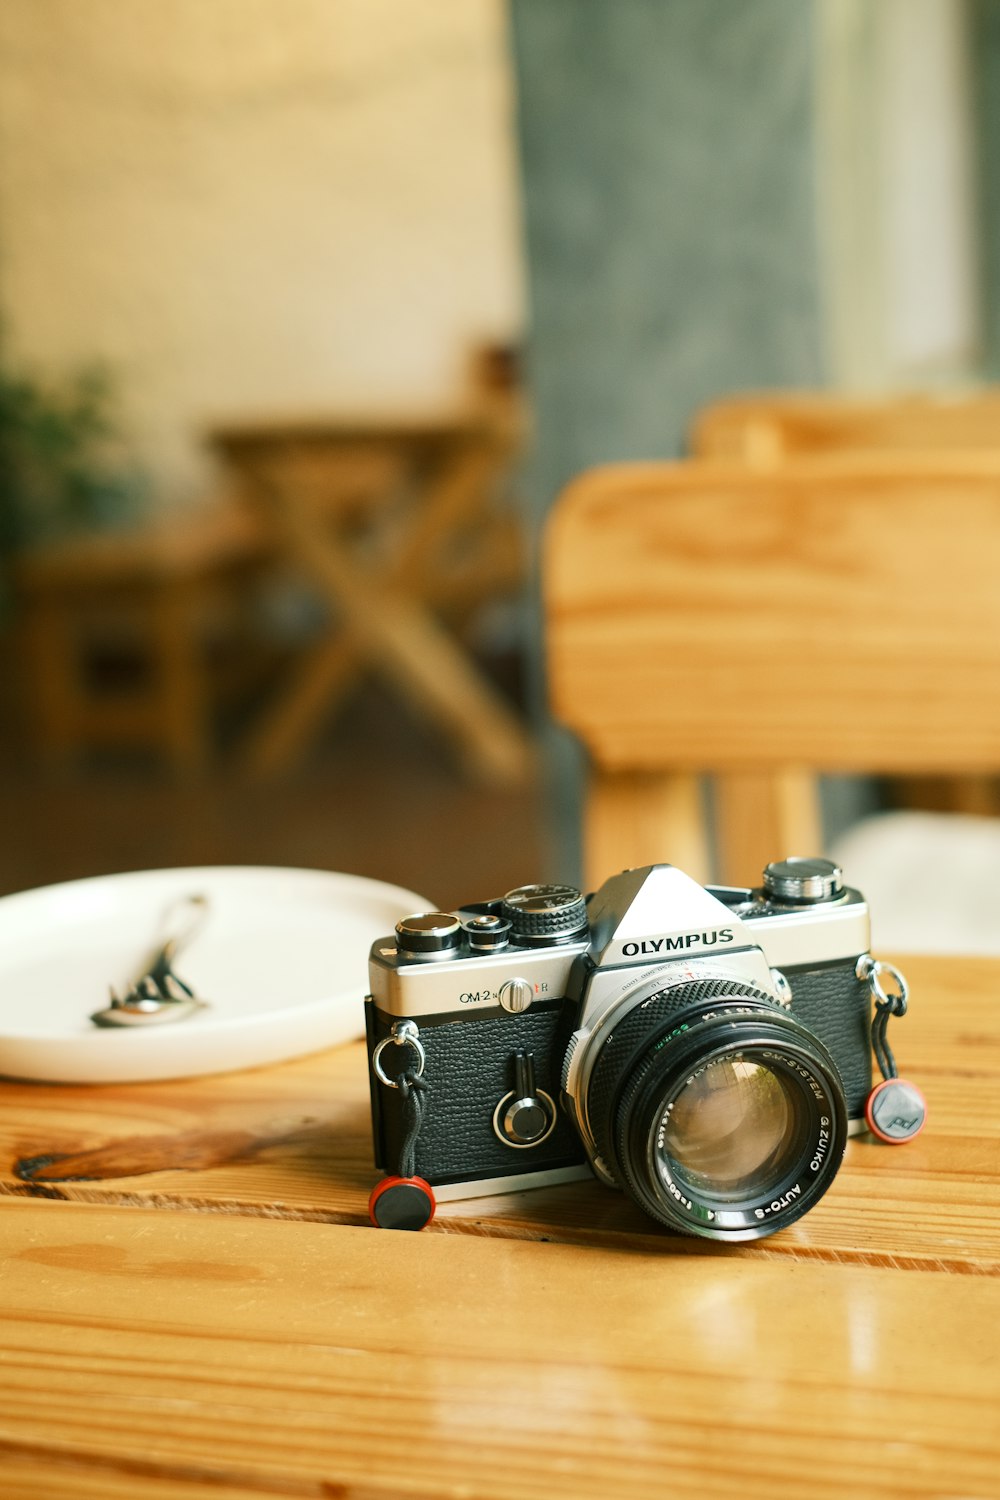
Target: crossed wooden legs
386,618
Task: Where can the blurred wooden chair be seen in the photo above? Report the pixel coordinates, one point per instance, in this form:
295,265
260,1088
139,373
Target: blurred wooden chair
768,427
761,626
148,596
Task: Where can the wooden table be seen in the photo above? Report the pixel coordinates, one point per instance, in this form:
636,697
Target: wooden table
393,519
193,1306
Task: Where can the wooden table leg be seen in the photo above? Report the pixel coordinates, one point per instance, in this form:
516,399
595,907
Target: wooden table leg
412,649
318,684
181,692
321,681
388,620
453,501
52,676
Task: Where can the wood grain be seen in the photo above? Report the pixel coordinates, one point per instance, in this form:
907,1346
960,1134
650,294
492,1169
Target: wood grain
180,1328
841,616
293,1142
772,426
766,428
309,1360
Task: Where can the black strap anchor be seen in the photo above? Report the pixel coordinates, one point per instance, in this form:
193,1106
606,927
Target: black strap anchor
896,1110
402,1200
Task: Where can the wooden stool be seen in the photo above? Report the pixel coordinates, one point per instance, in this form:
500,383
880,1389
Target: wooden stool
151,590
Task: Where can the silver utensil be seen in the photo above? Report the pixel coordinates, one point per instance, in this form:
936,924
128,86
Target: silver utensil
158,995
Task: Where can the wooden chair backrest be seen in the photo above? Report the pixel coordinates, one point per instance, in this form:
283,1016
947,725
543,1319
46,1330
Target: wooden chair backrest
762,625
770,426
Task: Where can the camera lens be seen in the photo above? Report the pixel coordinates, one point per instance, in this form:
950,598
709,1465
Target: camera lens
716,1111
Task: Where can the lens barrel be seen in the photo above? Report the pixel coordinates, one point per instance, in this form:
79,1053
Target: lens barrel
716,1111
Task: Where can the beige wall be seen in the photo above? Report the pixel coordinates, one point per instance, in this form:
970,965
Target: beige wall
255,204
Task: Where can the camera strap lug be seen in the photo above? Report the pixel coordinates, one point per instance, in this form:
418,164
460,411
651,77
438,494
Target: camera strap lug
896,1110
402,1200
403,1034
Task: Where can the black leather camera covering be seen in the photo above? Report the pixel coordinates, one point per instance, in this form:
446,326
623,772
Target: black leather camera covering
469,1069
835,1005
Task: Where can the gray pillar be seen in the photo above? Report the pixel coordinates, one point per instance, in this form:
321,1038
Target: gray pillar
670,221
985,54
670,215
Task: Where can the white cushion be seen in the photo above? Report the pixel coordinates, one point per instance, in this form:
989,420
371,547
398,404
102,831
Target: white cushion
932,880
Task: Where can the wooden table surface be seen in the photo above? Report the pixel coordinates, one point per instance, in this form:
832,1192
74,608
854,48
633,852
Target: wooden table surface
193,1305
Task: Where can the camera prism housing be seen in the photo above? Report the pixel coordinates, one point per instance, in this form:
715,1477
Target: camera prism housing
705,1049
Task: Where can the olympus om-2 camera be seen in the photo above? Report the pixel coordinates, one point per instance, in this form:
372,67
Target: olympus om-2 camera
705,1049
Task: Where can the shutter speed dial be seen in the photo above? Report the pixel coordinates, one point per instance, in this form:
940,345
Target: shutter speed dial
543,914
526,1116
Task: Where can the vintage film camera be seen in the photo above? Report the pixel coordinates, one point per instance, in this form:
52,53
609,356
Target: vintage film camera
704,1049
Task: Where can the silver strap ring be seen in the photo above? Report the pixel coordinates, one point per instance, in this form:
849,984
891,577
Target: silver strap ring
406,1038
874,977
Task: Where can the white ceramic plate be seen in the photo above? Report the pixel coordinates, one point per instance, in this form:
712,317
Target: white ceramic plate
282,959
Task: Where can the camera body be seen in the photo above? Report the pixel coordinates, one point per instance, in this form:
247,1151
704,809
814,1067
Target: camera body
559,1036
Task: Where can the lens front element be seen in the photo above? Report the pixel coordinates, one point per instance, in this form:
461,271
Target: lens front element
732,1130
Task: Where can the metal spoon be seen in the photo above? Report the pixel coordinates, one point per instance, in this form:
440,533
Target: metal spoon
159,995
